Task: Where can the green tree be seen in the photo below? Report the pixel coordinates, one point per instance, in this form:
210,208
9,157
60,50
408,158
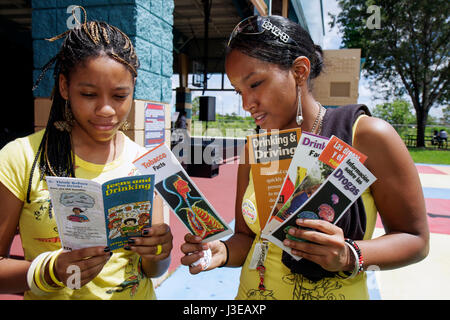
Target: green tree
405,45
195,106
397,113
446,115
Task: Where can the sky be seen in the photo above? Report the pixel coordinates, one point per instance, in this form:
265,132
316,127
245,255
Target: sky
229,102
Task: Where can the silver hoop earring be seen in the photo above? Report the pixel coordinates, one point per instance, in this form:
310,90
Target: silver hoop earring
299,118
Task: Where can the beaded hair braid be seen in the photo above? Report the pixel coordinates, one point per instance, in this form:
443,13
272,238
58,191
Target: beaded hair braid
87,40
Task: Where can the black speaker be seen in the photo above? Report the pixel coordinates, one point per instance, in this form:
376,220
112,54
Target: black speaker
207,108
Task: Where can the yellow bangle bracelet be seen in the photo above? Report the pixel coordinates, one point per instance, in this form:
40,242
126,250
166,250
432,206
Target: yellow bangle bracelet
31,271
51,268
39,276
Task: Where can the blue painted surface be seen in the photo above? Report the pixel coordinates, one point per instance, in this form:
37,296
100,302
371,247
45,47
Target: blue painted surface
436,193
147,23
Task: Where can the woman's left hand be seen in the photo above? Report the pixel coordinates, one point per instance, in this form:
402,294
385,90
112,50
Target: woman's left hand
327,247
155,243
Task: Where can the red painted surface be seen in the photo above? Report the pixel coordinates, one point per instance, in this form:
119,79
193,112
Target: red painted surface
428,169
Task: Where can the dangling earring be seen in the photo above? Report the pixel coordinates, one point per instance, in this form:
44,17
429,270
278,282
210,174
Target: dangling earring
125,126
299,118
67,123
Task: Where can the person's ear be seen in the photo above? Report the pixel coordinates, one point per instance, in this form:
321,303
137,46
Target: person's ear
301,68
63,86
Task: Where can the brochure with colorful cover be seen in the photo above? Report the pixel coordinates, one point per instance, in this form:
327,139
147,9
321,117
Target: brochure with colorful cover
336,150
270,155
182,195
295,187
314,160
93,214
331,200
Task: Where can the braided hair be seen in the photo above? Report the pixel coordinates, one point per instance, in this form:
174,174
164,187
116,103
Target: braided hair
267,47
88,40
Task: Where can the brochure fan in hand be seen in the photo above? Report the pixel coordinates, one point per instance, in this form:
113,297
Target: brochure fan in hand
92,214
296,189
182,195
314,159
333,198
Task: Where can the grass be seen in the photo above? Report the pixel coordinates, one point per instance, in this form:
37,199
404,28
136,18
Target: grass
430,156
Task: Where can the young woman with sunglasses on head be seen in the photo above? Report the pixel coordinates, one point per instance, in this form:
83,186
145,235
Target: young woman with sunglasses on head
271,63
95,74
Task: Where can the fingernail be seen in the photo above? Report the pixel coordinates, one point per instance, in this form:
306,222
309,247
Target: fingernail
127,248
131,241
291,231
286,242
300,221
107,249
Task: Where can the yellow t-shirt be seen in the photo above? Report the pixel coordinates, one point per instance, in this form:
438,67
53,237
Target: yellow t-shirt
121,277
280,282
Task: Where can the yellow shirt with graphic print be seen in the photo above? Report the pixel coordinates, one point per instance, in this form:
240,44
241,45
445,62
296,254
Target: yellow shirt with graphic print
121,277
279,281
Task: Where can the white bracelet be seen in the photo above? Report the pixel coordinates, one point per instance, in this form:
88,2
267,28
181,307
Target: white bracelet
204,261
30,274
356,267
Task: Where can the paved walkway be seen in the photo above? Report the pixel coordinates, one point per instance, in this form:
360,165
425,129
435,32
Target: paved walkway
428,279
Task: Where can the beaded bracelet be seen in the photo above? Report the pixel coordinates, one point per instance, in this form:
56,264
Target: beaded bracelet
228,255
359,260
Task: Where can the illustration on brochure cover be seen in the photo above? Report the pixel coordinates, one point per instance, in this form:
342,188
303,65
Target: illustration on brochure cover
182,195
91,214
189,206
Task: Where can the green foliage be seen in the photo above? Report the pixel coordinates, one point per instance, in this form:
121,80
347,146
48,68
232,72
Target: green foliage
397,112
407,54
224,126
446,115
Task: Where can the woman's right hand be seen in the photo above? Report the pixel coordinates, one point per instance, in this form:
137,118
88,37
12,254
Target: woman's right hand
193,250
78,267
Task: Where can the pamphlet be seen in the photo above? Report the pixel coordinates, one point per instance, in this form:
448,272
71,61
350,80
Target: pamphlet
182,195
303,162
270,155
314,160
93,214
331,200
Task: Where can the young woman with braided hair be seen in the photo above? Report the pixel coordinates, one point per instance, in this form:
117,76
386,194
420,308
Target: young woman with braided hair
271,62
95,74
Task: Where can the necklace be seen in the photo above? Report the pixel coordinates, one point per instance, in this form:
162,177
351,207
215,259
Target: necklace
48,162
318,120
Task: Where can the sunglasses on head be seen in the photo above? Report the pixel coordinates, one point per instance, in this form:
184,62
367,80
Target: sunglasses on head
256,25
